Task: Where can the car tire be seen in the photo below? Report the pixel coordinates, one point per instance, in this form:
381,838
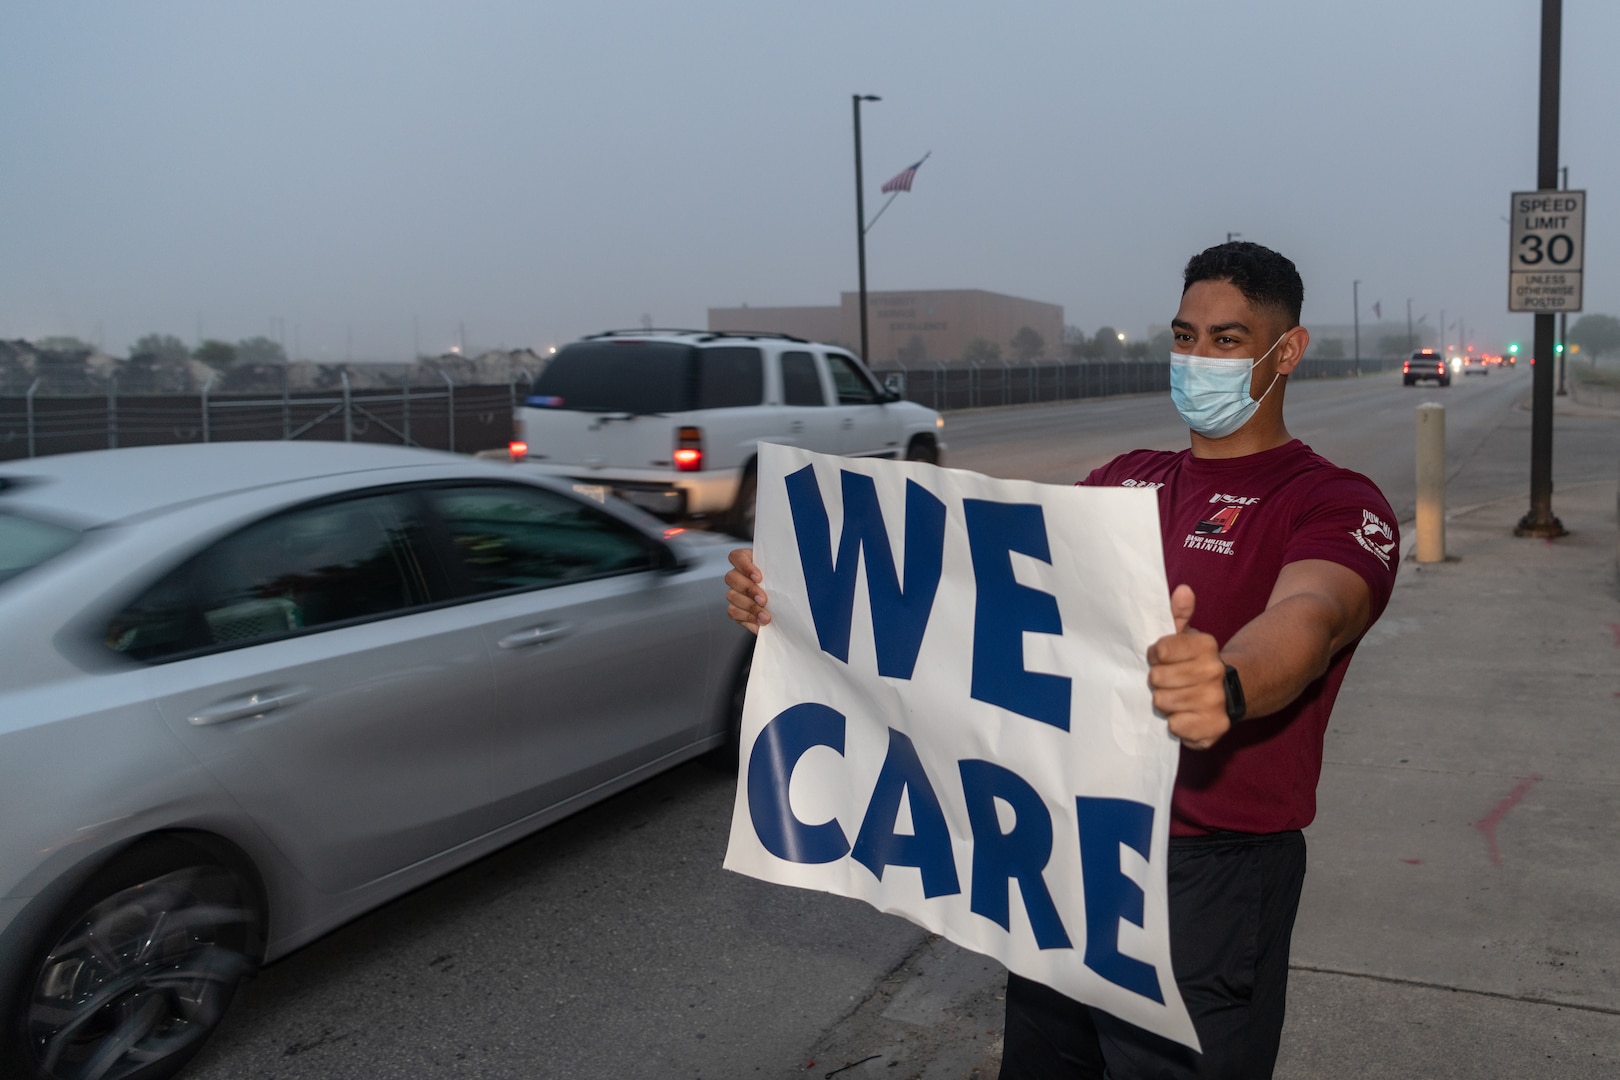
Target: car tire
138,965
740,518
922,448
1410,382
1445,382
727,756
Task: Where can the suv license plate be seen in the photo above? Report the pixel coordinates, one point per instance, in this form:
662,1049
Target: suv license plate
592,491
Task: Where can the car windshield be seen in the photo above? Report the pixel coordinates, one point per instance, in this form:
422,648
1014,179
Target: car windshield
25,543
648,377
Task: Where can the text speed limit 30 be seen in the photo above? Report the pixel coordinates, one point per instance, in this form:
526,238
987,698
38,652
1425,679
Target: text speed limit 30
1546,251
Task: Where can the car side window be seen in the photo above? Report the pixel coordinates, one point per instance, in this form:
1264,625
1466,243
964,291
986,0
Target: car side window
730,377
853,387
313,567
801,384
509,537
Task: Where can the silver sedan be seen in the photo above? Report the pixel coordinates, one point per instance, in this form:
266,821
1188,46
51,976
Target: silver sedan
252,690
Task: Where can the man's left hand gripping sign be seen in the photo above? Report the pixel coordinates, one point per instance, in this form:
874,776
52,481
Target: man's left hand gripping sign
949,717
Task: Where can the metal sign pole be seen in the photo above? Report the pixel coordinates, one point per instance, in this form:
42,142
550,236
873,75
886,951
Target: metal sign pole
1539,521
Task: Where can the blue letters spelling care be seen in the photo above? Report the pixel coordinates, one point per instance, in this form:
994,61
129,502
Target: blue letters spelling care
1004,610
899,616
999,858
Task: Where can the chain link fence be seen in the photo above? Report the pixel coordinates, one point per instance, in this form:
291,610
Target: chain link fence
470,417
463,418
972,386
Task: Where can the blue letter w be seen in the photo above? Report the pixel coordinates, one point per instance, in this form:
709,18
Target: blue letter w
899,616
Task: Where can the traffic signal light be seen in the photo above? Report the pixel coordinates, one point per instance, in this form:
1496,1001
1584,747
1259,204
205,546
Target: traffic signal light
1559,347
1514,348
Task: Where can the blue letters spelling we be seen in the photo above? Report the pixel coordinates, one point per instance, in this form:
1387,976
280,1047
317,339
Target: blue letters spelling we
1003,610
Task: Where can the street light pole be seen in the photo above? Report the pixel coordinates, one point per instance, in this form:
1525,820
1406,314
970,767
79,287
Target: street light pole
1230,235
1355,302
1411,345
860,221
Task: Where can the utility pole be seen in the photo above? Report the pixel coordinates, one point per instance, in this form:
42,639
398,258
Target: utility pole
1539,521
1411,342
860,222
1355,302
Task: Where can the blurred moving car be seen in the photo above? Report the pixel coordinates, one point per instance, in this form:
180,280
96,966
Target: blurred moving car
1475,365
1425,364
671,420
253,690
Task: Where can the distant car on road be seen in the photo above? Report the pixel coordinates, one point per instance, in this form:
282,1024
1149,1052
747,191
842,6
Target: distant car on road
671,420
1425,364
253,690
1475,365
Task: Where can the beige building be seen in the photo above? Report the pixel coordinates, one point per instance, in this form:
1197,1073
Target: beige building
910,328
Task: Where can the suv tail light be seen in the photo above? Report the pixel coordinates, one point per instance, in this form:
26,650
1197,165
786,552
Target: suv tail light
689,449
1405,367
517,449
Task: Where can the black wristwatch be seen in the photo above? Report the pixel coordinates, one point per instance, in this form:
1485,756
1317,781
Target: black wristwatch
1235,705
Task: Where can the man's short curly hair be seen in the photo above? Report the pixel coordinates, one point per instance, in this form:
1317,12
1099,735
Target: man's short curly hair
1265,278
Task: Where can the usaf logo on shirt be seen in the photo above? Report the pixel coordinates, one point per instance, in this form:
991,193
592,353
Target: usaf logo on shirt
1204,533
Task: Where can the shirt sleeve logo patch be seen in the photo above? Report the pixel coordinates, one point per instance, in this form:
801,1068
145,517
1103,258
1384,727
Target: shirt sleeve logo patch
1375,536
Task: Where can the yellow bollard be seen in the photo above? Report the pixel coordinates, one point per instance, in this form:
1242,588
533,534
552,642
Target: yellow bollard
1431,482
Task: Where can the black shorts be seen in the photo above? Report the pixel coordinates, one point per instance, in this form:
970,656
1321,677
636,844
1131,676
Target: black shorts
1233,898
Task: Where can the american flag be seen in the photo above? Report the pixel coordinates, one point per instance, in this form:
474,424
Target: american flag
902,180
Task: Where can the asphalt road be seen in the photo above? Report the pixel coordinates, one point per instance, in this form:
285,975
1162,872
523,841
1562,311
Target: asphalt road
613,945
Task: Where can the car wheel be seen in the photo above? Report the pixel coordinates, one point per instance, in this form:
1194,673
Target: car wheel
1445,382
924,449
740,518
136,970
1410,382
726,756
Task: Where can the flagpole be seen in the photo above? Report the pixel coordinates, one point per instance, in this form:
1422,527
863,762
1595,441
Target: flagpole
860,220
892,196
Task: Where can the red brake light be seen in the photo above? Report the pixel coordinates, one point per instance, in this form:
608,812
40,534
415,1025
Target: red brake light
517,449
689,449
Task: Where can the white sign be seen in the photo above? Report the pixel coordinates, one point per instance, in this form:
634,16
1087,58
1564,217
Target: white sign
949,717
1546,251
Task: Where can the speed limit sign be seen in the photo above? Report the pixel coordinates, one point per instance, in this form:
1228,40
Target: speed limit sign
1545,253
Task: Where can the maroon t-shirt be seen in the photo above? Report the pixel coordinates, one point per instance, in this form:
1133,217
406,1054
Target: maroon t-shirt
1230,525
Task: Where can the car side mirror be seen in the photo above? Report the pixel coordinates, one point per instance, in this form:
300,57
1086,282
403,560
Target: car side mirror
894,386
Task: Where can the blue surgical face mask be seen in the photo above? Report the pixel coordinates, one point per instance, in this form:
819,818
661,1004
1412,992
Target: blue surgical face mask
1212,392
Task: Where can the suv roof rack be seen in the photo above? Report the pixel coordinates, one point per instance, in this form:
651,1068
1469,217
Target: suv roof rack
701,335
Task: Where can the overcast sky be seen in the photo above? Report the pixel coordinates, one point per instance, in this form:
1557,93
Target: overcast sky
369,171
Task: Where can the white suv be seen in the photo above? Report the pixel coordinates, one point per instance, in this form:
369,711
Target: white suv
671,420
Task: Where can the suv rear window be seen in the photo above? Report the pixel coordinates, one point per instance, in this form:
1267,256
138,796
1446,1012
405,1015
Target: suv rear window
649,377
25,543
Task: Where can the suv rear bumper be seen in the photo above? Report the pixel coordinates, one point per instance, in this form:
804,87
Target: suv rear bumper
653,490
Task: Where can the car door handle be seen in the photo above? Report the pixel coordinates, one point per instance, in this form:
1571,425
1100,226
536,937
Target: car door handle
796,427
847,424
255,704
536,635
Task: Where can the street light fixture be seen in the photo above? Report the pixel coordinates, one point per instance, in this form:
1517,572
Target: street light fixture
860,221
1230,235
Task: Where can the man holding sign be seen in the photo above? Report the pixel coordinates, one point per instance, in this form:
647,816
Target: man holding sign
1280,562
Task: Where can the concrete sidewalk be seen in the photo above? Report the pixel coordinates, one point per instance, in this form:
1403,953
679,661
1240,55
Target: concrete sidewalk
1462,911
